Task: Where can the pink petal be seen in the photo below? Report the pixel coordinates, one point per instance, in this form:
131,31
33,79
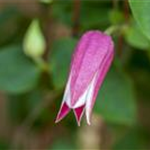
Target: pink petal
90,53
101,75
64,110
79,113
91,61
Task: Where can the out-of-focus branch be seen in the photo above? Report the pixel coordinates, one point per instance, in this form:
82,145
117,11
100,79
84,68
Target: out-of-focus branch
120,45
126,10
23,130
115,4
76,17
48,30
48,27
126,15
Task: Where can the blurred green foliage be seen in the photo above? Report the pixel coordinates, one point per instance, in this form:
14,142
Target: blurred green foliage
134,138
136,38
141,14
116,101
28,86
61,49
17,73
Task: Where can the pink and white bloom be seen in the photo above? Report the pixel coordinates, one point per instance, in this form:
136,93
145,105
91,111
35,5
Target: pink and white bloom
91,61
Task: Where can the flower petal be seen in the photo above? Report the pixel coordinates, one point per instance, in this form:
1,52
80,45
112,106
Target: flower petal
82,100
64,110
98,82
67,94
90,96
91,51
79,113
91,61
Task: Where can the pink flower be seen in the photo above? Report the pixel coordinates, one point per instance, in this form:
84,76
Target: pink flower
91,61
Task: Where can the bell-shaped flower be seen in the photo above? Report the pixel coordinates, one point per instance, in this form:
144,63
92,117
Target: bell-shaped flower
90,63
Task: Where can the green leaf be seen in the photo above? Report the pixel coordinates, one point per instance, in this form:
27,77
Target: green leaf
62,12
22,107
17,73
46,1
60,60
17,108
116,17
4,145
141,11
63,144
116,101
96,17
135,139
9,26
136,38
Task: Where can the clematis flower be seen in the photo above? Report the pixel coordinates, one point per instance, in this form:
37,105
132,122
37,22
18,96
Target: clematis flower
91,61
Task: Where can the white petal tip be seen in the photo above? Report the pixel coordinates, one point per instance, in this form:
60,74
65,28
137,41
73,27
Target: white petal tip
88,118
58,118
56,121
78,123
89,123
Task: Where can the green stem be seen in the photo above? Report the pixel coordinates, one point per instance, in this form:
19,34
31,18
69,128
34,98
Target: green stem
41,63
112,29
